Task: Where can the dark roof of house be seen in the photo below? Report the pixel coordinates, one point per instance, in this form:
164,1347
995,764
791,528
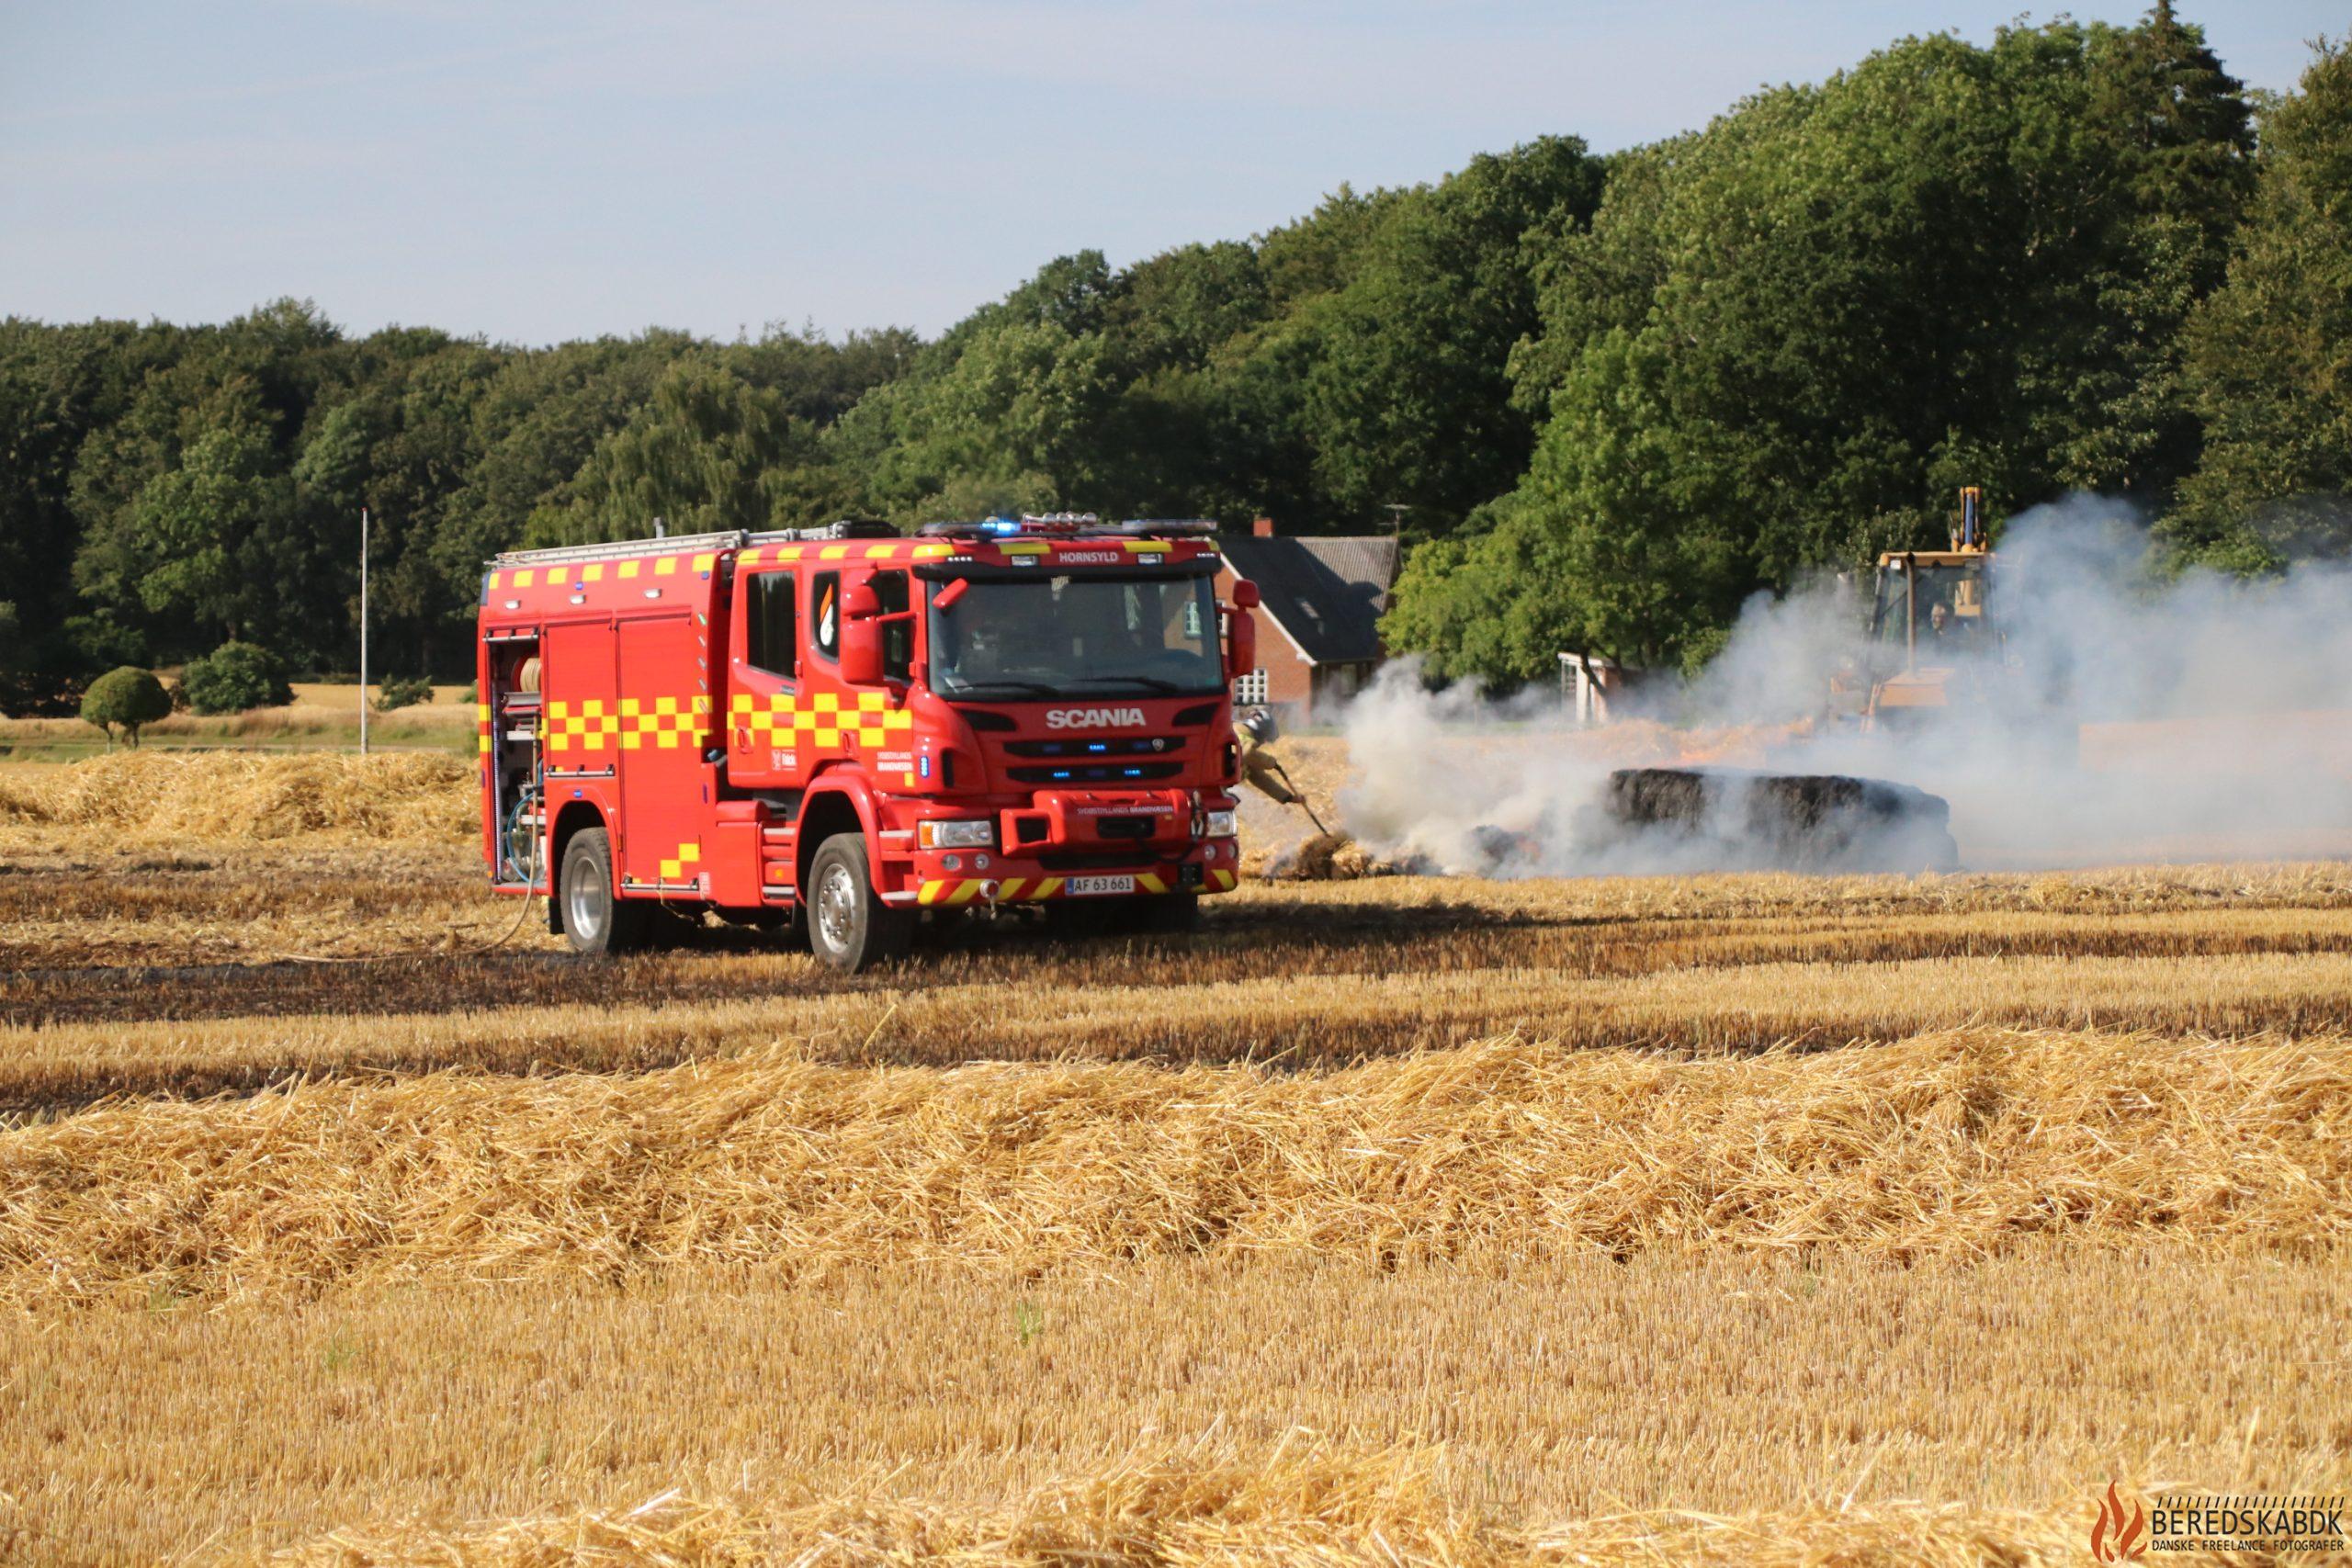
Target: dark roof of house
1327,595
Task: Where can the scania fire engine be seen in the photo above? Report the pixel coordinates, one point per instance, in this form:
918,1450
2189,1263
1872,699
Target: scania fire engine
858,731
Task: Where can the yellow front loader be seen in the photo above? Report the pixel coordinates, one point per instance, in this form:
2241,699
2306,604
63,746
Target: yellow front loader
1935,641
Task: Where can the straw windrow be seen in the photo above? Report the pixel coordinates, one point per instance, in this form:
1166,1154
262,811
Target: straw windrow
1948,1143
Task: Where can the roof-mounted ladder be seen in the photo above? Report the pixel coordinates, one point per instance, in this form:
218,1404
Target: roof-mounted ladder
691,543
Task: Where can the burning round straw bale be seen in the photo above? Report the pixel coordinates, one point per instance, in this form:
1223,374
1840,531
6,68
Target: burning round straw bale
1788,822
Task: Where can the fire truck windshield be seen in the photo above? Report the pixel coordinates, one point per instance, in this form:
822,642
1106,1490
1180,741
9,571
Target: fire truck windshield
1050,636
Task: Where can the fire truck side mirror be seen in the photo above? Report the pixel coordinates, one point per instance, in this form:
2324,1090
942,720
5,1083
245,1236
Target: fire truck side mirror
1245,593
861,635
1241,634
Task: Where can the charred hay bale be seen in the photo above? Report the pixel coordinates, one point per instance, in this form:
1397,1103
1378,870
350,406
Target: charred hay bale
1788,822
1642,797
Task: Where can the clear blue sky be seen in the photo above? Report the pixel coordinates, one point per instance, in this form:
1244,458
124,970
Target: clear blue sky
537,172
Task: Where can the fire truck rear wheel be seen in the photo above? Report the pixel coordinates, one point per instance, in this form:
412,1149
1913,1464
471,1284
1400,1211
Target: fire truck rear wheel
596,921
850,926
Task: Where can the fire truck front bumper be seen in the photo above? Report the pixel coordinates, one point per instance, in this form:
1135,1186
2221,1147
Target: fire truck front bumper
1082,843
983,879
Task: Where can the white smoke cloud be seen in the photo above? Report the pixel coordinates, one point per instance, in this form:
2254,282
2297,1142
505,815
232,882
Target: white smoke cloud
2121,716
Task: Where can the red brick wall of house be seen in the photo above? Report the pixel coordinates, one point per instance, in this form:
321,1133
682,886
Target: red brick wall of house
1289,677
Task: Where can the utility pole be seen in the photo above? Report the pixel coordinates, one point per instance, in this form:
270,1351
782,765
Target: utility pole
363,631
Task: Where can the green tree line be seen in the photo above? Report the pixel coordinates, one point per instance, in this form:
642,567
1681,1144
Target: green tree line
1608,397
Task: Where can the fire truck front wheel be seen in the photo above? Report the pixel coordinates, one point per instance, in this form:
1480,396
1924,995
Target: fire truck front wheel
595,920
850,926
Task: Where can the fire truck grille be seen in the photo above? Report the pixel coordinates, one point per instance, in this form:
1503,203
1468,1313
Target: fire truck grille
1124,826
1120,746
1098,773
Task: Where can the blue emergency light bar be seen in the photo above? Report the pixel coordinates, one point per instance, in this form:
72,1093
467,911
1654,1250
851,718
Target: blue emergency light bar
1066,525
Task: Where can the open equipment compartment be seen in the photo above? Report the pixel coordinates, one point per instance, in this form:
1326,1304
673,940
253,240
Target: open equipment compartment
517,789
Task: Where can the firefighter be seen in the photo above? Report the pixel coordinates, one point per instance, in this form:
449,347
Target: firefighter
1257,731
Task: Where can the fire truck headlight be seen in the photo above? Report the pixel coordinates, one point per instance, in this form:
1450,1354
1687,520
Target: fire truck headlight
976,833
1220,824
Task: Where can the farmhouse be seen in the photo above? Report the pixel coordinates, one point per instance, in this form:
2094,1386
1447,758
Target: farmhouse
1319,617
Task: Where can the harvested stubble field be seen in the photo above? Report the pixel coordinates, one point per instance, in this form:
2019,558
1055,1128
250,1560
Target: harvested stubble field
1733,1220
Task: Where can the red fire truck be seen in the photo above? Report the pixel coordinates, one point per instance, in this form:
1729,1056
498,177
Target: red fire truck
861,731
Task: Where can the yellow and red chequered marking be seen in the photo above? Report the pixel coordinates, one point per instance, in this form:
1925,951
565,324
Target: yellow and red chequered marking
667,722
588,724
676,870
481,726
820,719
593,724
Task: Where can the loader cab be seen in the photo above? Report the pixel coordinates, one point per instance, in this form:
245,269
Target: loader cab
1933,638
1933,635
1932,606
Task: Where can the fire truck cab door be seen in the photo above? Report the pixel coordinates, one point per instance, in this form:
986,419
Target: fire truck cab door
762,678
665,725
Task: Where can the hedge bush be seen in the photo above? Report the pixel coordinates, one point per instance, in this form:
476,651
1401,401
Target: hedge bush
235,677
403,691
